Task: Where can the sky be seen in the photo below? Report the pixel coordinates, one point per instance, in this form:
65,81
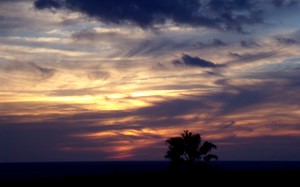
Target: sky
84,80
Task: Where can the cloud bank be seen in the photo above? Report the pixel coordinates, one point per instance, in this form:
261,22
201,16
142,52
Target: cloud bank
216,14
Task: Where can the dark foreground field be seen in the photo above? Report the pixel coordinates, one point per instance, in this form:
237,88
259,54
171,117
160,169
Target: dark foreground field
149,173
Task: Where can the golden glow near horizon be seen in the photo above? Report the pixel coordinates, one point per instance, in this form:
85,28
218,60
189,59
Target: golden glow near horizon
124,142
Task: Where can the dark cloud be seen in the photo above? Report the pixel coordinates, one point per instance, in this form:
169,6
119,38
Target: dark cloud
157,47
218,42
48,3
89,35
92,35
244,98
287,41
280,3
187,60
213,44
173,108
248,57
231,126
292,38
213,73
218,14
249,44
250,13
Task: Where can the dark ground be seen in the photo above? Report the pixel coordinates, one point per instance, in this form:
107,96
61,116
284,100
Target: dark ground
141,174
240,178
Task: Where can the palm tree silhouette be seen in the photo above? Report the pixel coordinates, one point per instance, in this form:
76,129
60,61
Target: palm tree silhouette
188,147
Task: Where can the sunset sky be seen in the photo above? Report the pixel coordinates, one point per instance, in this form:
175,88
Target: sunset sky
87,80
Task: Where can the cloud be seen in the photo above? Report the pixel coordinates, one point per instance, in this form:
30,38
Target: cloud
287,41
249,44
267,92
243,98
280,3
74,92
187,60
27,69
43,71
286,70
139,44
213,44
15,1
92,35
157,46
96,75
17,18
9,24
222,15
249,57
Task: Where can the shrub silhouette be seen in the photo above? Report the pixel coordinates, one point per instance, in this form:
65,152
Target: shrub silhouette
188,147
